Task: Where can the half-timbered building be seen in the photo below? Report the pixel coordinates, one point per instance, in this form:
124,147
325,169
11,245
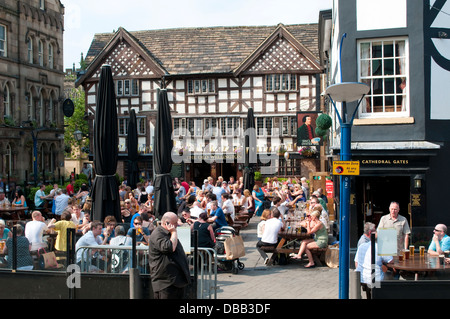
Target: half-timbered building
213,76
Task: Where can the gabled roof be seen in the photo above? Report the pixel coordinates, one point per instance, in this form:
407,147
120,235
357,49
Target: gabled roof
209,50
108,44
280,33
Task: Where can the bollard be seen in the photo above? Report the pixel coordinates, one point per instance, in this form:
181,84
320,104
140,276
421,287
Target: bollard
135,279
14,261
355,284
135,284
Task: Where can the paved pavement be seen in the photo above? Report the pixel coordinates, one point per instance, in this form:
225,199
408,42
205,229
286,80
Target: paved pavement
291,281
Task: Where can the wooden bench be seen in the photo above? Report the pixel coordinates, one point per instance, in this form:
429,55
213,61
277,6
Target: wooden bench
317,253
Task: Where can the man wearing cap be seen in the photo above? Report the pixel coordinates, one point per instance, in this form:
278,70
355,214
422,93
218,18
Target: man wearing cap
440,242
207,186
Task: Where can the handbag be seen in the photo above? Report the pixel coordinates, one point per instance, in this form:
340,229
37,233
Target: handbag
47,260
234,247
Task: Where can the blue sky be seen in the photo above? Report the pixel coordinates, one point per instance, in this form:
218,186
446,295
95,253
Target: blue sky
84,18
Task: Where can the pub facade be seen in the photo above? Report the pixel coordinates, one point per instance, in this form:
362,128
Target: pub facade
400,134
212,77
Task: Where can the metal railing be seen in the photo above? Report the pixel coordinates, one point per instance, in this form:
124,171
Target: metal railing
118,259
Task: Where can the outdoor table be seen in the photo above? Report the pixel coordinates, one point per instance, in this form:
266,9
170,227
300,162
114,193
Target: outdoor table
416,264
12,211
290,240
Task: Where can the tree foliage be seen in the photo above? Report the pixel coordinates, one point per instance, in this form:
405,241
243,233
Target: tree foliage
76,122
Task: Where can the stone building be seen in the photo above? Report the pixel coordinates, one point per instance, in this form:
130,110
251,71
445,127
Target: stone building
32,89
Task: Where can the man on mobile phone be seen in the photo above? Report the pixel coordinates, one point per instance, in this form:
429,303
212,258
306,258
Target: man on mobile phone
169,267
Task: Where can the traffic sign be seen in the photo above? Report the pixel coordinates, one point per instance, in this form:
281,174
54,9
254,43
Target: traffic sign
346,167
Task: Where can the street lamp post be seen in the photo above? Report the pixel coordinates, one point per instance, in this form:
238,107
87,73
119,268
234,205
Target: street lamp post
344,93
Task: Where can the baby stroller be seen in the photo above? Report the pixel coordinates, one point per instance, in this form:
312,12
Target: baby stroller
223,263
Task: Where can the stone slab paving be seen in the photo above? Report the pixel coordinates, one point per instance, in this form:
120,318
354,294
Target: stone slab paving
291,281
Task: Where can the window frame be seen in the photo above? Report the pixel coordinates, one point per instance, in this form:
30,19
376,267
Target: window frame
50,55
40,52
126,87
4,41
41,105
371,79
7,102
267,126
30,50
201,86
281,82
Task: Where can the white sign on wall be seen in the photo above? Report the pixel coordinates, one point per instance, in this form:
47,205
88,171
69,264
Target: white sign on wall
380,14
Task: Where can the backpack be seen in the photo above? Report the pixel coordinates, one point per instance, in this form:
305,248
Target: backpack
119,258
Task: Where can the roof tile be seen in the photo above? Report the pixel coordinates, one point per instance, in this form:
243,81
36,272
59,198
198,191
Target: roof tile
206,50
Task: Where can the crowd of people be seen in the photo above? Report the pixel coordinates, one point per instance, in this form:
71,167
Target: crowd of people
316,223
204,208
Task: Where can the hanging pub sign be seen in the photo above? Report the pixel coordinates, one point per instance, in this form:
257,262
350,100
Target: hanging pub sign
68,107
306,129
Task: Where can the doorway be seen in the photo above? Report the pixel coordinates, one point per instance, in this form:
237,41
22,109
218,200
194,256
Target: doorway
201,171
374,195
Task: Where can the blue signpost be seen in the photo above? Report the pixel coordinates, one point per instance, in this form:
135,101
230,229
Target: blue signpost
345,92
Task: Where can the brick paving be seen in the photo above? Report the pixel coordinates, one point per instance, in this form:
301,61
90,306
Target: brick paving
291,281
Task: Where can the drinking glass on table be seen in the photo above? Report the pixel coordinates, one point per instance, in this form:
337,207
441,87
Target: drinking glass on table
422,251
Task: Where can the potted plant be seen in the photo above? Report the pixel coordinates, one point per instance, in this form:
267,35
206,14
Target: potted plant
307,151
281,150
258,178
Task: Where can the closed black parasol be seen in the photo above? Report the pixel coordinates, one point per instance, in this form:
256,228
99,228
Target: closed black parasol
133,155
105,191
162,160
250,151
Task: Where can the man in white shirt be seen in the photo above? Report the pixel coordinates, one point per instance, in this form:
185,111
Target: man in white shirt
34,231
270,233
218,191
91,238
283,207
149,188
227,205
3,200
196,210
363,263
